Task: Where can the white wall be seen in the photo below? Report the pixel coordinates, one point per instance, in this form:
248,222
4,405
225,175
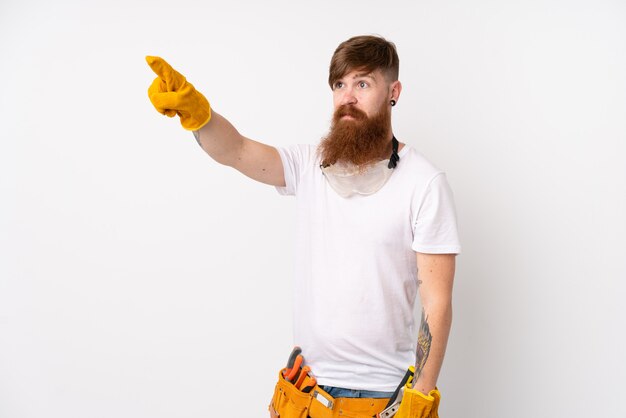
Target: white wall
138,278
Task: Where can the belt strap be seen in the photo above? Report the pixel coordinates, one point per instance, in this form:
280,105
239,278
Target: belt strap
407,376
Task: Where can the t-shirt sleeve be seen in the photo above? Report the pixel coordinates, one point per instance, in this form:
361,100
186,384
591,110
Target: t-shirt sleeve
435,226
294,159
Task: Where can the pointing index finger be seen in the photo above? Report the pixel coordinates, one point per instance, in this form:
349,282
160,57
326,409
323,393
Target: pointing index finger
161,68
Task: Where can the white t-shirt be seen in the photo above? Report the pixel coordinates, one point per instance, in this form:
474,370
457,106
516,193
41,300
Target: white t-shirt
356,273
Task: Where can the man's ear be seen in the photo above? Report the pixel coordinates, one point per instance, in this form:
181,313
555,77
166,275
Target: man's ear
395,89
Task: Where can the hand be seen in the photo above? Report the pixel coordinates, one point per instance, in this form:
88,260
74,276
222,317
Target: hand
171,94
417,405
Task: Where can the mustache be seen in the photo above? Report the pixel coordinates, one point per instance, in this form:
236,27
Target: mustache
349,110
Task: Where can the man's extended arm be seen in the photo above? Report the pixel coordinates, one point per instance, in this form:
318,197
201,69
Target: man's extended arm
436,276
171,94
227,146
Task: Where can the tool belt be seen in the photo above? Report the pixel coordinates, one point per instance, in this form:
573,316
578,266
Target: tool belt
297,395
290,402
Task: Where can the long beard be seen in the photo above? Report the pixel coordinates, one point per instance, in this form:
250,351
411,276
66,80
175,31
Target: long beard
360,141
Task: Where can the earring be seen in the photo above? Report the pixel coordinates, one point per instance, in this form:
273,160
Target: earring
392,102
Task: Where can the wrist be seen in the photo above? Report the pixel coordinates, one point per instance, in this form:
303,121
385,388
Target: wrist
423,384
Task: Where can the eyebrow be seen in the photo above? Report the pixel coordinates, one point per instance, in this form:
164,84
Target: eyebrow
362,75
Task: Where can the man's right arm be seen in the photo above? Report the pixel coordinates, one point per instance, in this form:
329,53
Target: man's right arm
227,146
171,94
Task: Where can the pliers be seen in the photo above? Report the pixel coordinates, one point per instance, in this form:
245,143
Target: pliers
293,364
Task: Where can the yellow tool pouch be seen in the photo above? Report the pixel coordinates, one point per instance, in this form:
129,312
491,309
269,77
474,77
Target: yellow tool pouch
289,402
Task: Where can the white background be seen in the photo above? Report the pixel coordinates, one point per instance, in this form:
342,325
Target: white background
138,278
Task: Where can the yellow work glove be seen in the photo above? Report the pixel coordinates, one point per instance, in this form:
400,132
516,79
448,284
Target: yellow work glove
171,94
417,405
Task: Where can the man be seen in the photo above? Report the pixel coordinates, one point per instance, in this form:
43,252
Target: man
376,226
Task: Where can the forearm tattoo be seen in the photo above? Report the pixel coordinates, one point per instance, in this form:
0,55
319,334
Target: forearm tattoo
424,340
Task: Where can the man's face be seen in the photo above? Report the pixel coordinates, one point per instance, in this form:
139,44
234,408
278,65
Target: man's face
361,129
362,91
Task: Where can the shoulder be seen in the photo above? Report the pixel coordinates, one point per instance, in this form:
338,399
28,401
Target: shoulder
417,166
298,161
298,153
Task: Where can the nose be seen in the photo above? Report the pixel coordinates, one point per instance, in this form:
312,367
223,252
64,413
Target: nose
348,97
